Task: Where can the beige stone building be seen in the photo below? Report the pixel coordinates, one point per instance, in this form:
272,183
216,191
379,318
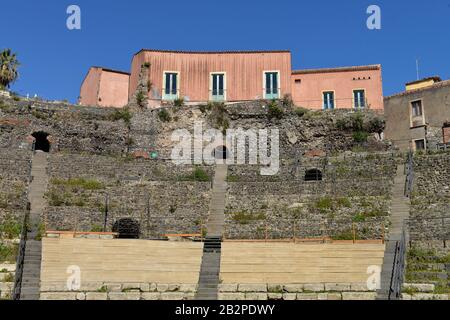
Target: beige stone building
419,118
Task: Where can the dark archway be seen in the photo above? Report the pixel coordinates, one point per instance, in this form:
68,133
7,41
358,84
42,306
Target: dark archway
127,228
221,153
41,143
313,175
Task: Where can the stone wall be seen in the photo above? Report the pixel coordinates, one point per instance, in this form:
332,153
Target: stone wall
122,291
7,274
71,128
162,197
15,176
298,291
355,193
430,203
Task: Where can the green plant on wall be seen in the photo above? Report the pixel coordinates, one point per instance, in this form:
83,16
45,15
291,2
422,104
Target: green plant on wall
164,115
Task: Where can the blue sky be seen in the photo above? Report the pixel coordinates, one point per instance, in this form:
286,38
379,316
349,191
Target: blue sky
320,33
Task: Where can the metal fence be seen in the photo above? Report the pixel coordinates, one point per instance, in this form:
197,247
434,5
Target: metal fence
21,257
409,171
398,271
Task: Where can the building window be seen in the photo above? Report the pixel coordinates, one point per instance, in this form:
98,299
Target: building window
271,85
417,113
171,85
419,145
359,99
328,100
218,87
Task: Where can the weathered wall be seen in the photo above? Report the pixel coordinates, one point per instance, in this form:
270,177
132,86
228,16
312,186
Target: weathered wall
308,86
71,128
244,72
436,109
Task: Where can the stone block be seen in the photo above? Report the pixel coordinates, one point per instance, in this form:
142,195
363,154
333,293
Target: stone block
114,287
81,296
252,288
232,296
53,287
289,296
406,296
4,276
91,286
229,287
8,267
275,288
172,296
359,287
96,296
151,296
162,287
293,288
124,296
274,296
307,296
153,287
173,287
314,287
429,296
58,296
131,286
359,296
256,296
425,287
334,296
337,287
188,288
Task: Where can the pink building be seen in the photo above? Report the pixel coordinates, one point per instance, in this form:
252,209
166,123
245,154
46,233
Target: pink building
336,88
105,88
233,76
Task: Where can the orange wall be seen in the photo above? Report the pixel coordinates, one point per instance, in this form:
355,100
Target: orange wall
244,72
308,93
90,87
113,89
104,88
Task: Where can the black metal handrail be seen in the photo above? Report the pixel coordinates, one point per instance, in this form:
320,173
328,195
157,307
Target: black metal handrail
398,270
409,171
21,256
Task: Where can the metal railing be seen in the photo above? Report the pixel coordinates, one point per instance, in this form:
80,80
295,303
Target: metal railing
398,271
409,171
21,256
298,230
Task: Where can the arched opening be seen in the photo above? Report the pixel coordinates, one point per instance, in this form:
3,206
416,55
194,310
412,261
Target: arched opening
221,153
313,175
41,143
127,228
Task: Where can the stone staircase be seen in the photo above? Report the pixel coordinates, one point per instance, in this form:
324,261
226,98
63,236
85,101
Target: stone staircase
30,289
210,269
399,214
208,285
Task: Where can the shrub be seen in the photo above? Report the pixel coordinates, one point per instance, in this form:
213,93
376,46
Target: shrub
10,229
324,204
140,99
201,175
275,111
246,218
97,228
357,121
360,136
79,182
179,102
300,112
164,116
121,114
376,125
8,252
287,101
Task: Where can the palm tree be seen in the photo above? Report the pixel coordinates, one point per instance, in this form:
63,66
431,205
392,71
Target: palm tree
8,68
